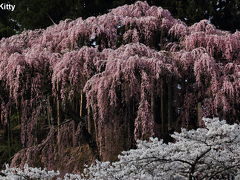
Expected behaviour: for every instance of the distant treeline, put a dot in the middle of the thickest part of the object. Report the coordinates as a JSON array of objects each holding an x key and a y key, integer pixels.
[{"x": 33, "y": 14}]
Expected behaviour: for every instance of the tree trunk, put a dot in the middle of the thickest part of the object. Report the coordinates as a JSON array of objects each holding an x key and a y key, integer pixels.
[
  {"x": 163, "y": 111},
  {"x": 58, "y": 116},
  {"x": 81, "y": 104},
  {"x": 49, "y": 112},
  {"x": 90, "y": 123},
  {"x": 8, "y": 132},
  {"x": 169, "y": 103},
  {"x": 199, "y": 114}
]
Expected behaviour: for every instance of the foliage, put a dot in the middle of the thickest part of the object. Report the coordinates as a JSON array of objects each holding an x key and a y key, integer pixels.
[
  {"x": 33, "y": 14},
  {"x": 207, "y": 153},
  {"x": 26, "y": 173},
  {"x": 7, "y": 25},
  {"x": 211, "y": 152}
]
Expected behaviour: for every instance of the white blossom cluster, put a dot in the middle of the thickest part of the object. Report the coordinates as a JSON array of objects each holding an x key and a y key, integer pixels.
[
  {"x": 27, "y": 173},
  {"x": 207, "y": 153},
  {"x": 72, "y": 177}
]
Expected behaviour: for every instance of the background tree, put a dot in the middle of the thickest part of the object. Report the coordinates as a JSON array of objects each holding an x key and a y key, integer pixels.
[
  {"x": 7, "y": 25},
  {"x": 33, "y": 14}
]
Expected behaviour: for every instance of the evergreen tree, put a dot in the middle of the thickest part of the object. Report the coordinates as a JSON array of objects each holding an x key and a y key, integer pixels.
[
  {"x": 33, "y": 14},
  {"x": 6, "y": 25}
]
